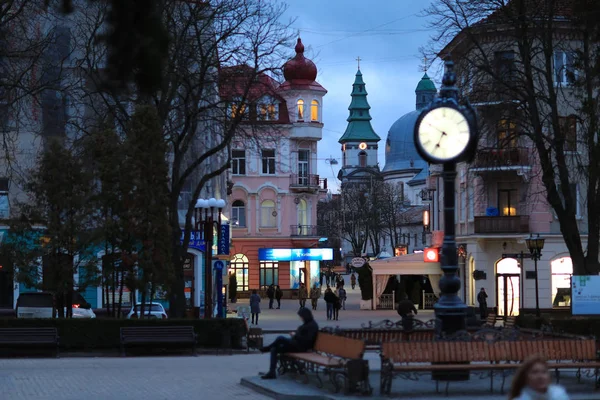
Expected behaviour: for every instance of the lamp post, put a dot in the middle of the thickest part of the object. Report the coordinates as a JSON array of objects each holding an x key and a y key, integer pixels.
[
  {"x": 205, "y": 221},
  {"x": 535, "y": 245}
]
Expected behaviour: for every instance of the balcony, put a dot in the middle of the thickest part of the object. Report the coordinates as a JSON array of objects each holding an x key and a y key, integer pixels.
[
  {"x": 304, "y": 230},
  {"x": 494, "y": 159},
  {"x": 507, "y": 224},
  {"x": 307, "y": 183}
]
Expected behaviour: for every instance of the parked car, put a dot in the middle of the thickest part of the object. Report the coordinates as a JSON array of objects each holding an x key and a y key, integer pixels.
[
  {"x": 36, "y": 305},
  {"x": 151, "y": 310},
  {"x": 81, "y": 308}
]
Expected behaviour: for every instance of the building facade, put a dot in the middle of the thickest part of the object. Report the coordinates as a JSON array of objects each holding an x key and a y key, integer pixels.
[{"x": 276, "y": 188}]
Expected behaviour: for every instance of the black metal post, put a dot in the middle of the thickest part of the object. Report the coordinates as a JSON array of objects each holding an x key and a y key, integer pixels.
[
  {"x": 450, "y": 310},
  {"x": 208, "y": 240},
  {"x": 537, "y": 296}
]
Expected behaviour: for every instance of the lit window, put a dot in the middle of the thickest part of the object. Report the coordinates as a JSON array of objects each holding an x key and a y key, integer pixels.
[
  {"x": 269, "y": 274},
  {"x": 268, "y": 110},
  {"x": 562, "y": 270},
  {"x": 238, "y": 214},
  {"x": 268, "y": 215},
  {"x": 314, "y": 111},
  {"x": 239, "y": 269},
  {"x": 506, "y": 134},
  {"x": 300, "y": 105},
  {"x": 238, "y": 109}
]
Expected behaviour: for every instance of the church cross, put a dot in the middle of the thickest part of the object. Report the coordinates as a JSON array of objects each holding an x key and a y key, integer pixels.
[
  {"x": 424, "y": 64},
  {"x": 358, "y": 60}
]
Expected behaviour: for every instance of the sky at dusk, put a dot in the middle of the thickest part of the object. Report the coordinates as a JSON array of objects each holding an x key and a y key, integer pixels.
[{"x": 387, "y": 36}]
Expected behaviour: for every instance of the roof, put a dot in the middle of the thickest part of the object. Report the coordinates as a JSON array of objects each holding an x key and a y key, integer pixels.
[
  {"x": 410, "y": 264},
  {"x": 412, "y": 215},
  {"x": 359, "y": 121},
  {"x": 426, "y": 85},
  {"x": 300, "y": 73},
  {"x": 400, "y": 151}
]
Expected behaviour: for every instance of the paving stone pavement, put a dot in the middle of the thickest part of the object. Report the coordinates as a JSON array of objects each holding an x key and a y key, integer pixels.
[{"x": 147, "y": 378}]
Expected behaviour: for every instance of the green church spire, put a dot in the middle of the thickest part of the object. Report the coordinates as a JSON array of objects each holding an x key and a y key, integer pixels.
[{"x": 359, "y": 121}]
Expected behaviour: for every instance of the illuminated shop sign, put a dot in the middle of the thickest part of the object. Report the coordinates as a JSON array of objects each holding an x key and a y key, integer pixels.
[{"x": 295, "y": 254}]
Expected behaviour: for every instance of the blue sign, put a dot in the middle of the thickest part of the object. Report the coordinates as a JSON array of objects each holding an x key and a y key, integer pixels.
[
  {"x": 295, "y": 254},
  {"x": 219, "y": 265},
  {"x": 223, "y": 246},
  {"x": 196, "y": 241}
]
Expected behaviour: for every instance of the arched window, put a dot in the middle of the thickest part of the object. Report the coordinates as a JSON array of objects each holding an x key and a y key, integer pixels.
[
  {"x": 362, "y": 159},
  {"x": 314, "y": 111},
  {"x": 302, "y": 217},
  {"x": 239, "y": 269},
  {"x": 300, "y": 106},
  {"x": 268, "y": 214},
  {"x": 238, "y": 214}
]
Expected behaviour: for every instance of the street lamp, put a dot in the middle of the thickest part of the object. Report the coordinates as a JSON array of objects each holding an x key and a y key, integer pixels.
[
  {"x": 204, "y": 218},
  {"x": 535, "y": 246}
]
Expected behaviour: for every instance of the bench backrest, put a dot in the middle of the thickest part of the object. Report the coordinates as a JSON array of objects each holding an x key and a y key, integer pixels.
[
  {"x": 491, "y": 319},
  {"x": 552, "y": 350},
  {"x": 510, "y": 322},
  {"x": 28, "y": 332},
  {"x": 374, "y": 336},
  {"x": 157, "y": 331},
  {"x": 339, "y": 346}
]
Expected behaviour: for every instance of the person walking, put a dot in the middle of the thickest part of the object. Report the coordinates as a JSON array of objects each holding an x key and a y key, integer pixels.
[
  {"x": 315, "y": 295},
  {"x": 353, "y": 280},
  {"x": 342, "y": 296},
  {"x": 337, "y": 304},
  {"x": 329, "y": 298},
  {"x": 302, "y": 295},
  {"x": 406, "y": 308},
  {"x": 255, "y": 306},
  {"x": 271, "y": 295},
  {"x": 303, "y": 340},
  {"x": 328, "y": 277},
  {"x": 278, "y": 296},
  {"x": 532, "y": 382},
  {"x": 482, "y": 300}
]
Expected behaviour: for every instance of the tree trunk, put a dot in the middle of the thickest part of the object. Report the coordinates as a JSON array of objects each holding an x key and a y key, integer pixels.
[{"x": 177, "y": 292}]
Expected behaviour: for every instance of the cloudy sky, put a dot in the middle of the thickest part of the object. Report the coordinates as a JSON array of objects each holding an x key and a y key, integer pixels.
[{"x": 386, "y": 34}]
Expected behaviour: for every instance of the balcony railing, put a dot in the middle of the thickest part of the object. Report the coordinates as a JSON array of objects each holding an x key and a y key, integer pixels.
[
  {"x": 494, "y": 158},
  {"x": 307, "y": 182},
  {"x": 304, "y": 230},
  {"x": 506, "y": 224}
]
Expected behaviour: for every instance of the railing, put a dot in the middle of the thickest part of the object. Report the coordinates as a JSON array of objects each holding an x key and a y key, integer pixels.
[
  {"x": 504, "y": 224},
  {"x": 429, "y": 299},
  {"x": 307, "y": 182},
  {"x": 494, "y": 158},
  {"x": 304, "y": 230},
  {"x": 386, "y": 302}
]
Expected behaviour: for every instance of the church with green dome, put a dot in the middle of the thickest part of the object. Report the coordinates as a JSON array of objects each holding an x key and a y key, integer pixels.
[{"x": 402, "y": 162}]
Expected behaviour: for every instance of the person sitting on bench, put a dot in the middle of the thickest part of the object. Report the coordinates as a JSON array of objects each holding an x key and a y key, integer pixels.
[{"x": 302, "y": 341}]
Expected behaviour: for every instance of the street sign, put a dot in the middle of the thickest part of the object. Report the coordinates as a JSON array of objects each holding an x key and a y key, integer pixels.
[
  {"x": 357, "y": 262},
  {"x": 218, "y": 265},
  {"x": 223, "y": 242}
]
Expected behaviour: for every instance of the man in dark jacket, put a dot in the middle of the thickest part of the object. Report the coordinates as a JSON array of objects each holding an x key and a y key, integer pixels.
[
  {"x": 302, "y": 341},
  {"x": 406, "y": 308},
  {"x": 271, "y": 295}
]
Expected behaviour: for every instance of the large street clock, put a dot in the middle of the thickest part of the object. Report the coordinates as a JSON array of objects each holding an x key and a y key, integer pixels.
[{"x": 445, "y": 133}]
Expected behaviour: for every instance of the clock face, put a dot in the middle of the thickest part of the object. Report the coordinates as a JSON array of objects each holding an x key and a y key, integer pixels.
[
  {"x": 443, "y": 133},
  {"x": 362, "y": 146}
]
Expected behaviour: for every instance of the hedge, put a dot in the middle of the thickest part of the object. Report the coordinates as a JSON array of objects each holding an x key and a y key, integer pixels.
[
  {"x": 588, "y": 326},
  {"x": 104, "y": 334}
]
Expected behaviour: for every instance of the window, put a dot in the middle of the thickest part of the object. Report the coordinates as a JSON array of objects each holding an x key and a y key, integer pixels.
[
  {"x": 562, "y": 270},
  {"x": 4, "y": 205},
  {"x": 314, "y": 111},
  {"x": 574, "y": 195},
  {"x": 463, "y": 204},
  {"x": 268, "y": 215},
  {"x": 506, "y": 134},
  {"x": 303, "y": 157},
  {"x": 568, "y": 127},
  {"x": 302, "y": 214},
  {"x": 300, "y": 105},
  {"x": 362, "y": 159},
  {"x": 238, "y": 162},
  {"x": 471, "y": 201},
  {"x": 564, "y": 69},
  {"x": 238, "y": 214},
  {"x": 269, "y": 274},
  {"x": 238, "y": 109},
  {"x": 505, "y": 65},
  {"x": 268, "y": 162},
  {"x": 507, "y": 202},
  {"x": 268, "y": 110},
  {"x": 239, "y": 269}
]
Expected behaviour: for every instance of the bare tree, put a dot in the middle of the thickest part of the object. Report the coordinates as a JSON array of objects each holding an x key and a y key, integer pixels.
[{"x": 532, "y": 66}]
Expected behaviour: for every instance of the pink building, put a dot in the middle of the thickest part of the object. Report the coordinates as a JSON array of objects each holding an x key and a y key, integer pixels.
[{"x": 276, "y": 188}]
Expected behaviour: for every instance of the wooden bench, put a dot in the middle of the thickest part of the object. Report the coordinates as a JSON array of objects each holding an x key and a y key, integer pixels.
[
  {"x": 30, "y": 337},
  {"x": 336, "y": 356},
  {"x": 490, "y": 320},
  {"x": 152, "y": 335},
  {"x": 411, "y": 358},
  {"x": 509, "y": 323}
]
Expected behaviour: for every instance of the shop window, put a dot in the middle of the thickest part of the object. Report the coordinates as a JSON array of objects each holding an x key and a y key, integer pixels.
[
  {"x": 314, "y": 111},
  {"x": 238, "y": 214},
  {"x": 562, "y": 270},
  {"x": 269, "y": 274},
  {"x": 239, "y": 268},
  {"x": 268, "y": 215}
]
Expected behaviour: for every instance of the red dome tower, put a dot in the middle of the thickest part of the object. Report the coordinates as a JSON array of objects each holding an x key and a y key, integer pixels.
[{"x": 300, "y": 72}]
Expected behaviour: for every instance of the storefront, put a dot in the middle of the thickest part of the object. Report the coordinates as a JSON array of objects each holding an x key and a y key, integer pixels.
[{"x": 304, "y": 264}]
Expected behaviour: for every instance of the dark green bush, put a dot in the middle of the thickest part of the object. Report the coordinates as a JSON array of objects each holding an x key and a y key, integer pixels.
[
  {"x": 588, "y": 326},
  {"x": 96, "y": 334}
]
